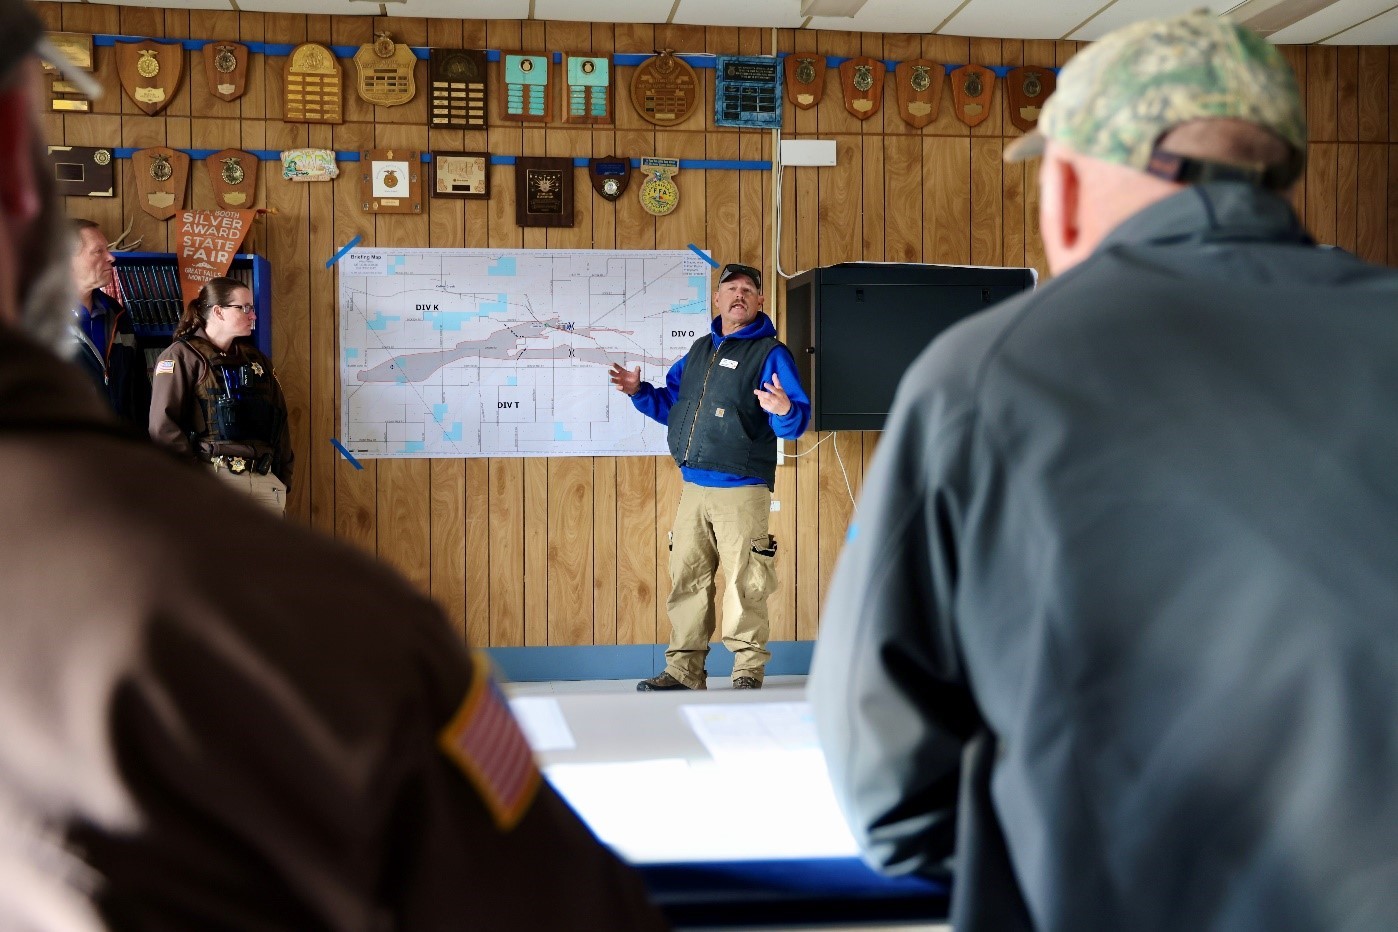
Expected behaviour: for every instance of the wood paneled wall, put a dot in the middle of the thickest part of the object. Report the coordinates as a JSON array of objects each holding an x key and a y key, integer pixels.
[{"x": 572, "y": 550}]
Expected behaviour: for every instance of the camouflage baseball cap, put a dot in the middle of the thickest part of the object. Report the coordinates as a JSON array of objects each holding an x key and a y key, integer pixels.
[{"x": 1118, "y": 96}]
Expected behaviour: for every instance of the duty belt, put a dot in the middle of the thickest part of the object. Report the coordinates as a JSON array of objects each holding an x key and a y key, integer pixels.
[{"x": 241, "y": 464}]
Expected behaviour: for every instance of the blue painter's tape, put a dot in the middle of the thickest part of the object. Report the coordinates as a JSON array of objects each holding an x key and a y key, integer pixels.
[
  {"x": 703, "y": 255},
  {"x": 346, "y": 453},
  {"x": 328, "y": 263}
]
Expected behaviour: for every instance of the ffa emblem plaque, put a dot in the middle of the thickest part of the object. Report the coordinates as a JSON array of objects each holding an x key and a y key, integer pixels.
[
  {"x": 77, "y": 48},
  {"x": 161, "y": 175},
  {"x": 461, "y": 174},
  {"x": 226, "y": 69},
  {"x": 971, "y": 89},
  {"x": 524, "y": 94},
  {"x": 660, "y": 195},
  {"x": 309, "y": 165},
  {"x": 748, "y": 92},
  {"x": 233, "y": 174},
  {"x": 385, "y": 72},
  {"x": 862, "y": 82},
  {"x": 457, "y": 78},
  {"x": 665, "y": 90},
  {"x": 587, "y": 91},
  {"x": 805, "y": 80},
  {"x": 312, "y": 88},
  {"x": 1028, "y": 87},
  {"x": 609, "y": 176},
  {"x": 390, "y": 181},
  {"x": 919, "y": 84},
  {"x": 82, "y": 171},
  {"x": 150, "y": 72},
  {"x": 544, "y": 192}
]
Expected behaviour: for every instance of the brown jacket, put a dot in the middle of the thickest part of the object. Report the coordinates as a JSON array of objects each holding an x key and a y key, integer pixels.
[{"x": 238, "y": 731}]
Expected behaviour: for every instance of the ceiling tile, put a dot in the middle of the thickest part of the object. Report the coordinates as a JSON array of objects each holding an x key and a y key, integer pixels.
[
  {"x": 1334, "y": 19},
  {"x": 890, "y": 16},
  {"x": 445, "y": 9},
  {"x": 1125, "y": 12},
  {"x": 1381, "y": 30},
  {"x": 785, "y": 14},
  {"x": 1014, "y": 19},
  {"x": 603, "y": 11}
]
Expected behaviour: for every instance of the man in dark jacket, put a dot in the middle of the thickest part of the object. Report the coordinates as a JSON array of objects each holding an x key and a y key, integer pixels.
[
  {"x": 1115, "y": 629},
  {"x": 228, "y": 722},
  {"x": 726, "y": 402},
  {"x": 104, "y": 340}
]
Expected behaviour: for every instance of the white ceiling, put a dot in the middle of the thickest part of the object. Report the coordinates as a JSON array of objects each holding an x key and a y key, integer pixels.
[{"x": 1331, "y": 22}]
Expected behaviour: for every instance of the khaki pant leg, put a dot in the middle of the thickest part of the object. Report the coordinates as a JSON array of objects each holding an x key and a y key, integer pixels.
[
  {"x": 693, "y": 560},
  {"x": 267, "y": 490},
  {"x": 739, "y": 518}
]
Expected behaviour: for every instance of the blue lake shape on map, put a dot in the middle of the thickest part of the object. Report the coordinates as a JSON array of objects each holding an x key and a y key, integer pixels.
[
  {"x": 506, "y": 266},
  {"x": 439, "y": 412},
  {"x": 454, "y": 434},
  {"x": 561, "y": 432},
  {"x": 511, "y": 380},
  {"x": 452, "y": 320},
  {"x": 381, "y": 321}
]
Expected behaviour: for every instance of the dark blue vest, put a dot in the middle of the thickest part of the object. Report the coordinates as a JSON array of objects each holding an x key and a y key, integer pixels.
[{"x": 716, "y": 422}]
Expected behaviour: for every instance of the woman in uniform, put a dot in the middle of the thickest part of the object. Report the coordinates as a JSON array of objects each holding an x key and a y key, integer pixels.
[{"x": 215, "y": 398}]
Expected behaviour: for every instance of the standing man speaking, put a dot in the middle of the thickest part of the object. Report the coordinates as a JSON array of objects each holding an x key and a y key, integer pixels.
[{"x": 725, "y": 403}]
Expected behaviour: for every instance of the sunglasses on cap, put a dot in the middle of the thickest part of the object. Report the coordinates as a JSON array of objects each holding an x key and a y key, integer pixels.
[{"x": 734, "y": 268}]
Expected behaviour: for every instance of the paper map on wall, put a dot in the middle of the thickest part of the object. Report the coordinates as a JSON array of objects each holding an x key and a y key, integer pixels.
[{"x": 504, "y": 352}]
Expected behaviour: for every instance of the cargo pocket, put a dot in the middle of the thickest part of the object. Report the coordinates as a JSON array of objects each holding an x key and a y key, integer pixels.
[{"x": 759, "y": 573}]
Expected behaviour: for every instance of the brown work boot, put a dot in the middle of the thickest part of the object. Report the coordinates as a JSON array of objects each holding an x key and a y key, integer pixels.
[
  {"x": 746, "y": 682},
  {"x": 664, "y": 681}
]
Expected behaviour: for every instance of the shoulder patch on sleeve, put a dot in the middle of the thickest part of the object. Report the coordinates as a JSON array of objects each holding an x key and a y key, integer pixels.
[
  {"x": 165, "y": 367},
  {"x": 484, "y": 740}
]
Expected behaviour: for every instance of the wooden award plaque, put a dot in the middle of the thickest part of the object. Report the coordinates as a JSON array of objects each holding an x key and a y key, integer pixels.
[
  {"x": 1028, "y": 86},
  {"x": 525, "y": 92},
  {"x": 544, "y": 192},
  {"x": 972, "y": 87},
  {"x": 587, "y": 88},
  {"x": 226, "y": 69},
  {"x": 161, "y": 177},
  {"x": 861, "y": 79},
  {"x": 665, "y": 89},
  {"x": 805, "y": 80},
  {"x": 461, "y": 174},
  {"x": 457, "y": 78},
  {"x": 748, "y": 92},
  {"x": 83, "y": 171},
  {"x": 312, "y": 92},
  {"x": 609, "y": 176},
  {"x": 77, "y": 48},
  {"x": 385, "y": 72},
  {"x": 150, "y": 72},
  {"x": 919, "y": 84},
  {"x": 390, "y": 181},
  {"x": 233, "y": 174}
]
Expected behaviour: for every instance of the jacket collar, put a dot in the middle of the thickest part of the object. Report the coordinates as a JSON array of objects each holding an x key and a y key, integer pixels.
[
  {"x": 761, "y": 326},
  {"x": 1216, "y": 212}
]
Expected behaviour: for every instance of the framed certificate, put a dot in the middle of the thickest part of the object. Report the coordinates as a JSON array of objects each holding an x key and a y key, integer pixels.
[{"x": 461, "y": 174}]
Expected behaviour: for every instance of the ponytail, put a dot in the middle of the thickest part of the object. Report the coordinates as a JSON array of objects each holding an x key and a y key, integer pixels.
[{"x": 196, "y": 313}]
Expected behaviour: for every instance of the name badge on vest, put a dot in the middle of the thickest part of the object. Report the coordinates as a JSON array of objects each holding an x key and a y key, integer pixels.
[
  {"x": 805, "y": 80},
  {"x": 660, "y": 195},
  {"x": 862, "y": 81},
  {"x": 610, "y": 176},
  {"x": 226, "y": 69},
  {"x": 233, "y": 174},
  {"x": 919, "y": 84},
  {"x": 312, "y": 86},
  {"x": 150, "y": 72},
  {"x": 161, "y": 176},
  {"x": 971, "y": 89},
  {"x": 385, "y": 72},
  {"x": 1028, "y": 86},
  {"x": 728, "y": 364}
]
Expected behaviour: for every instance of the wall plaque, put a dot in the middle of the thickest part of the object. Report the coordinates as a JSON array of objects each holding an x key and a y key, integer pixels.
[
  {"x": 805, "y": 80},
  {"x": 385, "y": 72},
  {"x": 544, "y": 192},
  {"x": 665, "y": 89},
  {"x": 660, "y": 195},
  {"x": 461, "y": 174},
  {"x": 77, "y": 48},
  {"x": 748, "y": 92},
  {"x": 312, "y": 92},
  {"x": 226, "y": 69},
  {"x": 609, "y": 176},
  {"x": 161, "y": 176},
  {"x": 390, "y": 181},
  {"x": 919, "y": 85},
  {"x": 83, "y": 171},
  {"x": 524, "y": 94},
  {"x": 233, "y": 174},
  {"x": 150, "y": 72},
  {"x": 587, "y": 89},
  {"x": 861, "y": 79},
  {"x": 971, "y": 89},
  {"x": 457, "y": 78},
  {"x": 309, "y": 165},
  {"x": 1028, "y": 87}
]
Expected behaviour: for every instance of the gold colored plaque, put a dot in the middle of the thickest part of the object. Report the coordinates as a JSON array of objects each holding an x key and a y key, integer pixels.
[
  {"x": 386, "y": 72},
  {"x": 457, "y": 78},
  {"x": 390, "y": 181},
  {"x": 75, "y": 46},
  {"x": 972, "y": 87},
  {"x": 665, "y": 90},
  {"x": 150, "y": 72},
  {"x": 1028, "y": 87},
  {"x": 919, "y": 84},
  {"x": 313, "y": 92},
  {"x": 233, "y": 174},
  {"x": 461, "y": 174},
  {"x": 226, "y": 69},
  {"x": 861, "y": 79},
  {"x": 161, "y": 176},
  {"x": 660, "y": 195},
  {"x": 544, "y": 192},
  {"x": 805, "y": 80}
]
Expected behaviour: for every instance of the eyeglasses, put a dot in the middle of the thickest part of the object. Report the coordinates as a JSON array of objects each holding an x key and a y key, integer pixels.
[{"x": 243, "y": 309}]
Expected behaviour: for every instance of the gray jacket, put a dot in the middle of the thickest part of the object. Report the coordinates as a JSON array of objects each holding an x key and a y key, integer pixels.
[{"x": 1117, "y": 622}]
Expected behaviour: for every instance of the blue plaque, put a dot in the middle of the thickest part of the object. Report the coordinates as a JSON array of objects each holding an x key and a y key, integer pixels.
[{"x": 748, "y": 92}]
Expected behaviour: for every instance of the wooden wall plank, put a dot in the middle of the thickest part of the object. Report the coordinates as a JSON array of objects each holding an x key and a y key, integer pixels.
[{"x": 1372, "y": 91}]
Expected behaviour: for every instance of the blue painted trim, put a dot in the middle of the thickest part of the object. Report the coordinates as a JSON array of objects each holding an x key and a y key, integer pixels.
[
  {"x": 272, "y": 155},
  {"x": 703, "y": 255},
  {"x": 629, "y": 661},
  {"x": 336, "y": 258}
]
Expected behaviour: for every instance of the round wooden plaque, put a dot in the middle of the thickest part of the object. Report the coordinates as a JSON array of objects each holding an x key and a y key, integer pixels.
[{"x": 665, "y": 89}]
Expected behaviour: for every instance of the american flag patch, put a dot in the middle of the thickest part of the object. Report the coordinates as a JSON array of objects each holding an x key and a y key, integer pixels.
[
  {"x": 165, "y": 367},
  {"x": 487, "y": 744}
]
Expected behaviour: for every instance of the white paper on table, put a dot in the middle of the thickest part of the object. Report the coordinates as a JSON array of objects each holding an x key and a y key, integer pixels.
[
  {"x": 543, "y": 723},
  {"x": 730, "y": 731}
]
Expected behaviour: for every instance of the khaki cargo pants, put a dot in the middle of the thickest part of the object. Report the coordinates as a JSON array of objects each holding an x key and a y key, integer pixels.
[
  {"x": 727, "y": 528},
  {"x": 267, "y": 490}
]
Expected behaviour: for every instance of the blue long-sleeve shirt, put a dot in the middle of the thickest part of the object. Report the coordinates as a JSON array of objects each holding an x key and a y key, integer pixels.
[{"x": 656, "y": 402}]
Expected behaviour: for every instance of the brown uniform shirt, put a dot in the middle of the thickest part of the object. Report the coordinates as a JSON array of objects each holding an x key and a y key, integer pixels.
[
  {"x": 178, "y": 420},
  {"x": 243, "y": 729}
]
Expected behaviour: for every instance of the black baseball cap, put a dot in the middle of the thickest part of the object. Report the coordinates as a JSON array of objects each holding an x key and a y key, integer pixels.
[
  {"x": 21, "y": 33},
  {"x": 734, "y": 268}
]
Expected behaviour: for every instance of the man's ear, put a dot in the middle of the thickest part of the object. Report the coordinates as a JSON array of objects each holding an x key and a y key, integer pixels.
[
  {"x": 19, "y": 188},
  {"x": 1067, "y": 207}
]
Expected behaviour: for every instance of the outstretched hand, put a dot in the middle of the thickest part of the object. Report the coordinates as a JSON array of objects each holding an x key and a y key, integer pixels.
[
  {"x": 627, "y": 381},
  {"x": 772, "y": 398}
]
